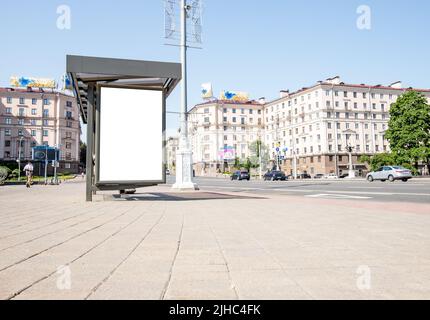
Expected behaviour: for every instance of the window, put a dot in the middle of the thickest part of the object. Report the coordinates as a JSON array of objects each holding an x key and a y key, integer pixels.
[
  {"x": 45, "y": 113},
  {"x": 33, "y": 112},
  {"x": 69, "y": 104},
  {"x": 8, "y": 121},
  {"x": 9, "y": 100},
  {"x": 68, "y": 145},
  {"x": 69, "y": 124},
  {"x": 45, "y": 123},
  {"x": 45, "y": 133},
  {"x": 8, "y": 110},
  {"x": 206, "y": 119},
  {"x": 33, "y": 133},
  {"x": 20, "y": 133},
  {"x": 345, "y": 94},
  {"x": 33, "y": 122},
  {"x": 21, "y": 101},
  {"x": 234, "y": 110},
  {"x": 21, "y": 112},
  {"x": 46, "y": 102},
  {"x": 21, "y": 122},
  {"x": 33, "y": 101},
  {"x": 7, "y": 143}
]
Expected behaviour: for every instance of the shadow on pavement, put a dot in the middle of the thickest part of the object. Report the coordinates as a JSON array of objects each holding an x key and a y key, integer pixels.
[{"x": 199, "y": 196}]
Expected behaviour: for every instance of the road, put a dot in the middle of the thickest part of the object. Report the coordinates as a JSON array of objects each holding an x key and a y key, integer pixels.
[{"x": 415, "y": 191}]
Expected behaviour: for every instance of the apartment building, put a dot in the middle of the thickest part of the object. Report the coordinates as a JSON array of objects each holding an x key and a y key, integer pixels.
[
  {"x": 221, "y": 125},
  {"x": 316, "y": 125},
  {"x": 33, "y": 117}
]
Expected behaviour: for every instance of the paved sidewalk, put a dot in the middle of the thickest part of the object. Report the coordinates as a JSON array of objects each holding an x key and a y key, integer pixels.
[{"x": 208, "y": 245}]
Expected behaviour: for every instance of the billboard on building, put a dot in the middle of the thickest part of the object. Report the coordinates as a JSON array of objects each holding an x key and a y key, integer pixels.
[
  {"x": 227, "y": 154},
  {"x": 237, "y": 96},
  {"x": 26, "y": 82},
  {"x": 207, "y": 91},
  {"x": 131, "y": 136}
]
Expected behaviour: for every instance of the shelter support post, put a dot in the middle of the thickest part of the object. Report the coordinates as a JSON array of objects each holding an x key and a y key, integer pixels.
[{"x": 90, "y": 145}]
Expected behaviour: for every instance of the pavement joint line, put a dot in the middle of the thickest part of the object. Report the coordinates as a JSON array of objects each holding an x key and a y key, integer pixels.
[
  {"x": 87, "y": 210},
  {"x": 169, "y": 279},
  {"x": 127, "y": 257},
  {"x": 56, "y": 231},
  {"x": 80, "y": 256},
  {"x": 65, "y": 241},
  {"x": 280, "y": 266},
  {"x": 221, "y": 249}
]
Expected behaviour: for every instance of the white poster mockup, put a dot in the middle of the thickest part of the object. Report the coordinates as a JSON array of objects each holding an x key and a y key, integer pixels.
[{"x": 131, "y": 135}]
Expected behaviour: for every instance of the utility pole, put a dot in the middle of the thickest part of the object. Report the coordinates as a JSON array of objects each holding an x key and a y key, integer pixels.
[
  {"x": 184, "y": 160},
  {"x": 19, "y": 159},
  {"x": 46, "y": 166}
]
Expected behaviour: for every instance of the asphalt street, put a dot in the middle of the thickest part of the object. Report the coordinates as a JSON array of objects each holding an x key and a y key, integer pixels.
[{"x": 414, "y": 191}]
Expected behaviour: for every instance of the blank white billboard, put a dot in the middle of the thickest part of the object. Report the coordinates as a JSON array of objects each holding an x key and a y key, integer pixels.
[{"x": 131, "y": 135}]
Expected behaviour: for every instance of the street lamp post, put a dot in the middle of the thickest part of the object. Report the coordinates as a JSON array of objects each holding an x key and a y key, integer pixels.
[
  {"x": 19, "y": 158},
  {"x": 351, "y": 173},
  {"x": 184, "y": 160}
]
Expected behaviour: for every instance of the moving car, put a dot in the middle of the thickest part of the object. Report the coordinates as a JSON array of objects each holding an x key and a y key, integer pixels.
[
  {"x": 304, "y": 176},
  {"x": 390, "y": 173},
  {"x": 319, "y": 176},
  {"x": 275, "y": 176},
  {"x": 240, "y": 175}
]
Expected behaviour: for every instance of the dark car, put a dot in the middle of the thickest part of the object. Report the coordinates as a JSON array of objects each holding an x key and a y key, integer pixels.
[
  {"x": 304, "y": 176},
  {"x": 319, "y": 176},
  {"x": 344, "y": 175},
  {"x": 241, "y": 175},
  {"x": 275, "y": 176}
]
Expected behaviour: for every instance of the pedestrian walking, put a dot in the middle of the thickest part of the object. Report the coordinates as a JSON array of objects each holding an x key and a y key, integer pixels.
[{"x": 29, "y": 174}]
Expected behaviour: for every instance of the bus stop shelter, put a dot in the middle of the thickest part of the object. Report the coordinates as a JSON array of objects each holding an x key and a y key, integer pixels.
[{"x": 123, "y": 104}]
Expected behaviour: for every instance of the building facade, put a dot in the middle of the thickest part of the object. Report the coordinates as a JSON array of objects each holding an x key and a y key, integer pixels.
[
  {"x": 217, "y": 126},
  {"x": 34, "y": 117},
  {"x": 313, "y": 128},
  {"x": 317, "y": 125}
]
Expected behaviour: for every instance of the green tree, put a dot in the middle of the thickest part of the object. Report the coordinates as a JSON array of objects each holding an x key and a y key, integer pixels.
[
  {"x": 255, "y": 148},
  {"x": 83, "y": 153},
  {"x": 409, "y": 129}
]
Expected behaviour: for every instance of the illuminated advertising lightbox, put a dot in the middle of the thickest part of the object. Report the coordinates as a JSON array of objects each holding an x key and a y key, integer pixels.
[{"x": 131, "y": 136}]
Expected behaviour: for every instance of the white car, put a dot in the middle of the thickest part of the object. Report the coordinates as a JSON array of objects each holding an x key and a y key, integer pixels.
[
  {"x": 331, "y": 176},
  {"x": 390, "y": 173}
]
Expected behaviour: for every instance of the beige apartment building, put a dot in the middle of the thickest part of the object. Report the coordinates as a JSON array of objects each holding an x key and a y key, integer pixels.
[
  {"x": 216, "y": 126},
  {"x": 33, "y": 117},
  {"x": 312, "y": 127},
  {"x": 319, "y": 123}
]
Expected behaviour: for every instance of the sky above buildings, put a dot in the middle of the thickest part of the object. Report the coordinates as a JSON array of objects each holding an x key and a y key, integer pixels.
[{"x": 259, "y": 47}]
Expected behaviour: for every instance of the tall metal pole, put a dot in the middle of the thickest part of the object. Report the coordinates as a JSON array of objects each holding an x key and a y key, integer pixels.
[
  {"x": 46, "y": 165},
  {"x": 19, "y": 159},
  {"x": 184, "y": 172}
]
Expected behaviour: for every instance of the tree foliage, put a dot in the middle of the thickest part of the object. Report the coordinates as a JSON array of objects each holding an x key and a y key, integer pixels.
[{"x": 409, "y": 129}]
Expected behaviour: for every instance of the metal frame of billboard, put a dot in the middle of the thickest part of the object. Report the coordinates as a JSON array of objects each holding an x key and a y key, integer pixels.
[{"x": 88, "y": 75}]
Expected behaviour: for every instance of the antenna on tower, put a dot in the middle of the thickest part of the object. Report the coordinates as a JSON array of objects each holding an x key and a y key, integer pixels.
[{"x": 172, "y": 25}]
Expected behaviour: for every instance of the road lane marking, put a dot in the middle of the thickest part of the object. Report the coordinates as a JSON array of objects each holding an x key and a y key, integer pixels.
[
  {"x": 318, "y": 190},
  {"x": 337, "y": 196}
]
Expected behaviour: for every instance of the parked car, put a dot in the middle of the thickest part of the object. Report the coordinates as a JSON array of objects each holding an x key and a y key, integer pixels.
[
  {"x": 344, "y": 175},
  {"x": 390, "y": 173},
  {"x": 331, "y": 176},
  {"x": 304, "y": 176},
  {"x": 241, "y": 175},
  {"x": 319, "y": 176},
  {"x": 275, "y": 175}
]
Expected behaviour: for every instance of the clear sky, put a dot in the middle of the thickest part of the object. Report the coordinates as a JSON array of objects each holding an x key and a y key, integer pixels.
[{"x": 256, "y": 46}]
